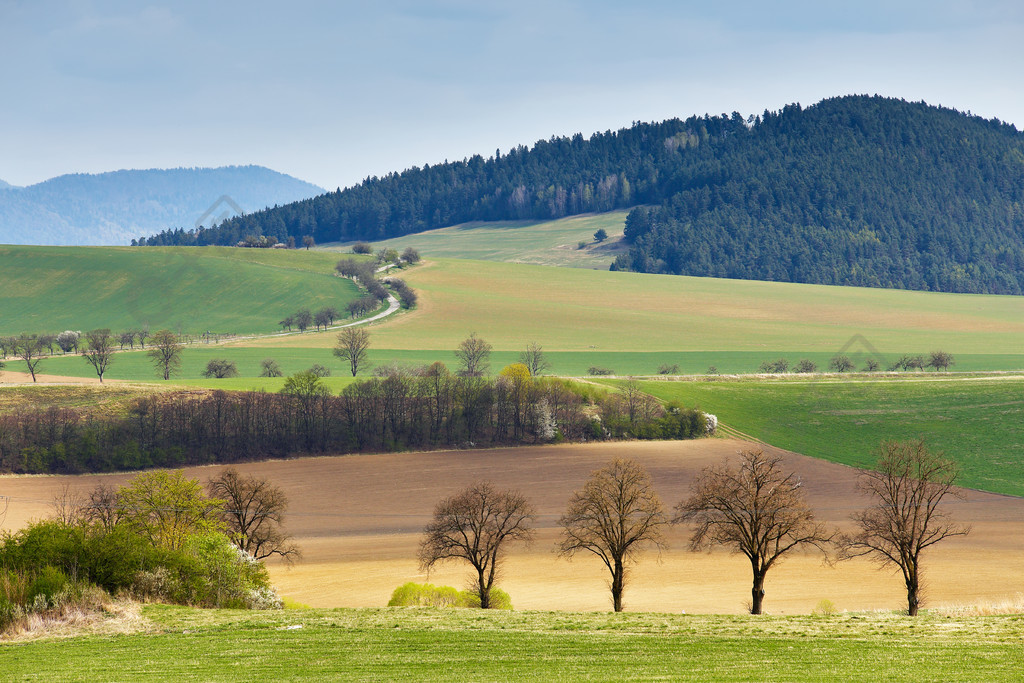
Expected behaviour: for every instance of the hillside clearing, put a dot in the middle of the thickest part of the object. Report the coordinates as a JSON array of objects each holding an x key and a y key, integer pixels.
[{"x": 543, "y": 243}]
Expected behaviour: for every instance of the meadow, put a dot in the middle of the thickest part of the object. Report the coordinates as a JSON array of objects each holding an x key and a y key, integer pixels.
[
  {"x": 192, "y": 290},
  {"x": 977, "y": 421},
  {"x": 579, "y": 310},
  {"x": 545, "y": 243},
  {"x": 410, "y": 644}
]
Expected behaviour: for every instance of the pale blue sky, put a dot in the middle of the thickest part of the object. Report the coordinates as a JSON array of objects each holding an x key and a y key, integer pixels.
[{"x": 334, "y": 91}]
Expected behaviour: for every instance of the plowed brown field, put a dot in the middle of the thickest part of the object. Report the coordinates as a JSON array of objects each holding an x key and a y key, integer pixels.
[{"x": 358, "y": 520}]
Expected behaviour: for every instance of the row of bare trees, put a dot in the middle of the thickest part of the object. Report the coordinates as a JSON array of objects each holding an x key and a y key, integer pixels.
[{"x": 754, "y": 508}]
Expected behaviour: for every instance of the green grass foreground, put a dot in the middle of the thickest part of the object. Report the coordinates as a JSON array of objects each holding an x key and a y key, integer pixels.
[
  {"x": 424, "y": 644},
  {"x": 977, "y": 421}
]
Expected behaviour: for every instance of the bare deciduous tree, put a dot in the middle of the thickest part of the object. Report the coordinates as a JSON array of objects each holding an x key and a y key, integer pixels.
[
  {"x": 254, "y": 513},
  {"x": 270, "y": 368},
  {"x": 907, "y": 485},
  {"x": 473, "y": 353},
  {"x": 533, "y": 358},
  {"x": 165, "y": 352},
  {"x": 476, "y": 525},
  {"x": 103, "y": 507},
  {"x": 352, "y": 346},
  {"x": 754, "y": 509},
  {"x": 219, "y": 368},
  {"x": 68, "y": 505},
  {"x": 99, "y": 350},
  {"x": 29, "y": 349},
  {"x": 615, "y": 516},
  {"x": 940, "y": 360}
]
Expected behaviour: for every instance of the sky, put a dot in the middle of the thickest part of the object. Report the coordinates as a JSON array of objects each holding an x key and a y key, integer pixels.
[{"x": 334, "y": 92}]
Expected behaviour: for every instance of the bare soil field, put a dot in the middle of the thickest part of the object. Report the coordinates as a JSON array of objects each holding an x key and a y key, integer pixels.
[
  {"x": 358, "y": 520},
  {"x": 9, "y": 377}
]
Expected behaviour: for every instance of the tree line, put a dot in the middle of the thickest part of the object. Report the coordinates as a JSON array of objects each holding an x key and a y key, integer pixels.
[
  {"x": 426, "y": 408},
  {"x": 753, "y": 507}
]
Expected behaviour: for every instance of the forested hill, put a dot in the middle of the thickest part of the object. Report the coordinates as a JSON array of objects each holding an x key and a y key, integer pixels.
[
  {"x": 851, "y": 191},
  {"x": 854, "y": 190},
  {"x": 113, "y": 208},
  {"x": 555, "y": 178}
]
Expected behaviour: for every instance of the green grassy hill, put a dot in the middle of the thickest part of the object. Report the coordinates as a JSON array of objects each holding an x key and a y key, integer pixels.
[
  {"x": 49, "y": 289},
  {"x": 542, "y": 243},
  {"x": 587, "y": 311},
  {"x": 976, "y": 421}
]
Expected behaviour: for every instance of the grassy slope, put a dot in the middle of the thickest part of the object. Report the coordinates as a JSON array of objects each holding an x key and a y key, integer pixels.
[
  {"x": 215, "y": 288},
  {"x": 979, "y": 422},
  {"x": 444, "y": 645},
  {"x": 546, "y": 243},
  {"x": 585, "y": 310}
]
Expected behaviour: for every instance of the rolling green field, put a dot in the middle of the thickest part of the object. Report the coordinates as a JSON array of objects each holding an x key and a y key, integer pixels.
[
  {"x": 545, "y": 243},
  {"x": 50, "y": 289},
  {"x": 422, "y": 644},
  {"x": 578, "y": 310},
  {"x": 979, "y": 421}
]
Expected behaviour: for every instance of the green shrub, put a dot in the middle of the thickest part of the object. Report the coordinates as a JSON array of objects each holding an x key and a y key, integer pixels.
[
  {"x": 825, "y": 608},
  {"x": 49, "y": 583},
  {"x": 596, "y": 370},
  {"x": 428, "y": 595},
  {"x": 208, "y": 571},
  {"x": 499, "y": 599},
  {"x": 424, "y": 595},
  {"x": 14, "y": 587}
]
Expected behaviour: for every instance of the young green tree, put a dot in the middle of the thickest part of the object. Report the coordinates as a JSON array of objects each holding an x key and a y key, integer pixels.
[{"x": 167, "y": 507}]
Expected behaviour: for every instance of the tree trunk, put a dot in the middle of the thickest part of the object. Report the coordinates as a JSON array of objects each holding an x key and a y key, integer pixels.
[
  {"x": 757, "y": 592},
  {"x": 617, "y": 585},
  {"x": 485, "y": 592},
  {"x": 912, "y": 597}
]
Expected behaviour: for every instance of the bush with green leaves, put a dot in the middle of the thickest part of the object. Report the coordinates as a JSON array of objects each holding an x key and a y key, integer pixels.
[{"x": 428, "y": 595}]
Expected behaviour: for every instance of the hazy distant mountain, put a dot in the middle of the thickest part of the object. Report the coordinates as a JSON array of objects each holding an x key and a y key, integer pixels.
[
  {"x": 114, "y": 208},
  {"x": 4, "y": 186}
]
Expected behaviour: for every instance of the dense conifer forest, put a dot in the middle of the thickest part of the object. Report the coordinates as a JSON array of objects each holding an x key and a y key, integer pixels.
[{"x": 854, "y": 190}]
